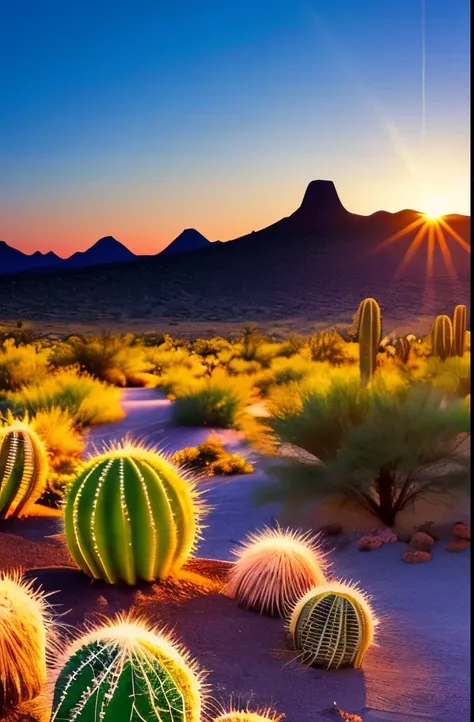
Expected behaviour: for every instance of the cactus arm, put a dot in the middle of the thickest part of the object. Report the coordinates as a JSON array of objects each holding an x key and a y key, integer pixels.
[{"x": 459, "y": 330}]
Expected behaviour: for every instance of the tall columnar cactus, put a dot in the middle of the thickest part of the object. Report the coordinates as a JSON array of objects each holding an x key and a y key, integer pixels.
[
  {"x": 126, "y": 671},
  {"x": 274, "y": 568},
  {"x": 459, "y": 330},
  {"x": 24, "y": 622},
  {"x": 129, "y": 516},
  {"x": 369, "y": 334},
  {"x": 23, "y": 469},
  {"x": 442, "y": 337},
  {"x": 332, "y": 626}
]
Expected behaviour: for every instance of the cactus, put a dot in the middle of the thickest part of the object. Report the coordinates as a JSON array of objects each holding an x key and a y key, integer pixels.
[
  {"x": 23, "y": 469},
  {"x": 273, "y": 569},
  {"x": 402, "y": 349},
  {"x": 25, "y": 620},
  {"x": 235, "y": 715},
  {"x": 332, "y": 626},
  {"x": 459, "y": 330},
  {"x": 442, "y": 337},
  {"x": 369, "y": 334},
  {"x": 129, "y": 515},
  {"x": 126, "y": 671}
]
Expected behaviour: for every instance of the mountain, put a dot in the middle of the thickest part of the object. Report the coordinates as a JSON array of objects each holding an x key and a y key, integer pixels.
[
  {"x": 105, "y": 250},
  {"x": 14, "y": 261},
  {"x": 314, "y": 265},
  {"x": 188, "y": 240}
]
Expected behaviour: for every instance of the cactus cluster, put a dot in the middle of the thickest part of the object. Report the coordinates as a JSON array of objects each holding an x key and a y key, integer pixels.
[
  {"x": 274, "y": 568},
  {"x": 369, "y": 334},
  {"x": 23, "y": 469},
  {"x": 130, "y": 516},
  {"x": 126, "y": 671}
]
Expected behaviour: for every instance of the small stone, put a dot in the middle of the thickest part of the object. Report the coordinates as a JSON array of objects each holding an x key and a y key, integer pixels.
[
  {"x": 421, "y": 542},
  {"x": 416, "y": 557},
  {"x": 428, "y": 528},
  {"x": 102, "y": 601},
  {"x": 458, "y": 545},
  {"x": 369, "y": 543},
  {"x": 462, "y": 531},
  {"x": 331, "y": 529}
]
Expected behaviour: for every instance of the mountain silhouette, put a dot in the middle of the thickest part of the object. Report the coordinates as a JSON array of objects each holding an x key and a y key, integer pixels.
[
  {"x": 188, "y": 240},
  {"x": 105, "y": 250},
  {"x": 14, "y": 261}
]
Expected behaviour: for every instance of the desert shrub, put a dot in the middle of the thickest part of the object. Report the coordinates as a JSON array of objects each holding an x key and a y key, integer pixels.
[
  {"x": 238, "y": 366},
  {"x": 382, "y": 449},
  {"x": 21, "y": 365},
  {"x": 328, "y": 346},
  {"x": 210, "y": 347},
  {"x": 217, "y": 400},
  {"x": 89, "y": 401},
  {"x": 452, "y": 376},
  {"x": 283, "y": 371},
  {"x": 211, "y": 458},
  {"x": 105, "y": 357}
]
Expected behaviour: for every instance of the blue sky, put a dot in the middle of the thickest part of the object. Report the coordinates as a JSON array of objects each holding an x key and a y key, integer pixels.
[{"x": 140, "y": 118}]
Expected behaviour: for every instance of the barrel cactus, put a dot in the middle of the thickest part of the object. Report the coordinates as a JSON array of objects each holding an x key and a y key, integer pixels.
[
  {"x": 25, "y": 621},
  {"x": 369, "y": 334},
  {"x": 274, "y": 568},
  {"x": 332, "y": 626},
  {"x": 126, "y": 670},
  {"x": 23, "y": 469},
  {"x": 403, "y": 348},
  {"x": 237, "y": 715},
  {"x": 442, "y": 337},
  {"x": 459, "y": 330},
  {"x": 131, "y": 516}
]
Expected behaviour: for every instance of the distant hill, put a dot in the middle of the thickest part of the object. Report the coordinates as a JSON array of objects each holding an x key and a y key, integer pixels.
[
  {"x": 106, "y": 250},
  {"x": 188, "y": 240},
  {"x": 14, "y": 261},
  {"x": 317, "y": 264}
]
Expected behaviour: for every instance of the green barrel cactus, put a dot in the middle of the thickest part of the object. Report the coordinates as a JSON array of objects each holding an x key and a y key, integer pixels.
[
  {"x": 332, "y": 626},
  {"x": 369, "y": 334},
  {"x": 23, "y": 469},
  {"x": 130, "y": 516},
  {"x": 126, "y": 671},
  {"x": 442, "y": 337},
  {"x": 459, "y": 330}
]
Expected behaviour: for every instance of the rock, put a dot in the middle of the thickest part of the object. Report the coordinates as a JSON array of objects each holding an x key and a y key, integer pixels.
[
  {"x": 385, "y": 534},
  {"x": 462, "y": 531},
  {"x": 421, "y": 542},
  {"x": 331, "y": 529},
  {"x": 458, "y": 545},
  {"x": 368, "y": 543},
  {"x": 416, "y": 557},
  {"x": 428, "y": 528}
]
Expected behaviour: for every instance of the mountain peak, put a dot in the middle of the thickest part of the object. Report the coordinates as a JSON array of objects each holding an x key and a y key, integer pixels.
[
  {"x": 188, "y": 240},
  {"x": 321, "y": 196}
]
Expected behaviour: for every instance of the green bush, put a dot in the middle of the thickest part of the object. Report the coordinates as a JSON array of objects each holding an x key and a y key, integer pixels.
[
  {"x": 211, "y": 458},
  {"x": 328, "y": 346},
  {"x": 217, "y": 400},
  {"x": 21, "y": 365}
]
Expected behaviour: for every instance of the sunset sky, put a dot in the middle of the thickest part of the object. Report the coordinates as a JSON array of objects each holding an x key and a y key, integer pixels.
[{"x": 138, "y": 119}]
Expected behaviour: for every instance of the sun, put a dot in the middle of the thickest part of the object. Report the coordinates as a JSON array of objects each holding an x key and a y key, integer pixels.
[{"x": 434, "y": 210}]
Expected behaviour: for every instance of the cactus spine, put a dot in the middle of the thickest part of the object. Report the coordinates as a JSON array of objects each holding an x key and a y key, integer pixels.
[
  {"x": 332, "y": 626},
  {"x": 369, "y": 334},
  {"x": 442, "y": 337},
  {"x": 24, "y": 619},
  {"x": 23, "y": 469},
  {"x": 126, "y": 671},
  {"x": 130, "y": 516},
  {"x": 459, "y": 330}
]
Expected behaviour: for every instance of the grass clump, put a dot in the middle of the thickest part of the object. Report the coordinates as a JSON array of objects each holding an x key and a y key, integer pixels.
[
  {"x": 21, "y": 365},
  {"x": 211, "y": 459},
  {"x": 217, "y": 400}
]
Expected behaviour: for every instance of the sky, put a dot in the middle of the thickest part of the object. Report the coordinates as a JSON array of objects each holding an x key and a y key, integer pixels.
[{"x": 139, "y": 119}]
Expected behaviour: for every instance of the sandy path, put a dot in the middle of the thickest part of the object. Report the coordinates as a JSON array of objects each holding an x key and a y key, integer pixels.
[{"x": 420, "y": 670}]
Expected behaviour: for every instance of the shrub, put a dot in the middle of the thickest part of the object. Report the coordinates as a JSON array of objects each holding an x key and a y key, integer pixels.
[
  {"x": 238, "y": 366},
  {"x": 274, "y": 569},
  {"x": 127, "y": 671},
  {"x": 25, "y": 621},
  {"x": 23, "y": 468},
  {"x": 21, "y": 365},
  {"x": 130, "y": 516},
  {"x": 88, "y": 401},
  {"x": 211, "y": 458},
  {"x": 328, "y": 346},
  {"x": 284, "y": 371},
  {"x": 217, "y": 401},
  {"x": 382, "y": 449},
  {"x": 333, "y": 626},
  {"x": 210, "y": 347}
]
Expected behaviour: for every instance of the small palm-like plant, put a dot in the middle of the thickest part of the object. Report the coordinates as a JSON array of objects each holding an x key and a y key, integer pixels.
[
  {"x": 127, "y": 671},
  {"x": 274, "y": 568},
  {"x": 25, "y": 620},
  {"x": 333, "y": 626},
  {"x": 23, "y": 468},
  {"x": 129, "y": 515}
]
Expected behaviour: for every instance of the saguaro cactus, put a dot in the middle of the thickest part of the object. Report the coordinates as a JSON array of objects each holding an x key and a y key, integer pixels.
[
  {"x": 130, "y": 515},
  {"x": 24, "y": 619},
  {"x": 126, "y": 671},
  {"x": 332, "y": 626},
  {"x": 369, "y": 334},
  {"x": 23, "y": 469},
  {"x": 442, "y": 337},
  {"x": 459, "y": 330}
]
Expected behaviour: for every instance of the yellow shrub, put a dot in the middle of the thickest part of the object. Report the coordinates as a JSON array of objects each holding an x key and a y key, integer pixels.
[{"x": 21, "y": 365}]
